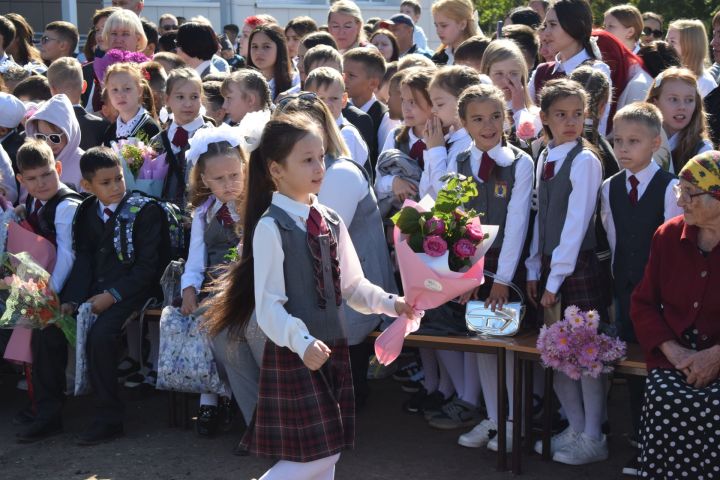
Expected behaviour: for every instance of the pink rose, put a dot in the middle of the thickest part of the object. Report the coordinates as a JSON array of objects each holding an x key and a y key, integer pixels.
[
  {"x": 459, "y": 214},
  {"x": 526, "y": 130},
  {"x": 464, "y": 248},
  {"x": 434, "y": 246},
  {"x": 435, "y": 226},
  {"x": 474, "y": 232}
]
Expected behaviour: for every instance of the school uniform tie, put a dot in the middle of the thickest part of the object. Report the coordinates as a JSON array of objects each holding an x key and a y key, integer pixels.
[
  {"x": 180, "y": 139},
  {"x": 548, "y": 170},
  {"x": 486, "y": 167},
  {"x": 34, "y": 218},
  {"x": 634, "y": 182},
  {"x": 108, "y": 213},
  {"x": 416, "y": 153},
  {"x": 223, "y": 216},
  {"x": 317, "y": 226}
]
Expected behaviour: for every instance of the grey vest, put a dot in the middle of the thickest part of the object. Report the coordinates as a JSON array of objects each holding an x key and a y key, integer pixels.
[
  {"x": 368, "y": 237},
  {"x": 635, "y": 225},
  {"x": 494, "y": 195},
  {"x": 326, "y": 324},
  {"x": 218, "y": 241},
  {"x": 553, "y": 196}
]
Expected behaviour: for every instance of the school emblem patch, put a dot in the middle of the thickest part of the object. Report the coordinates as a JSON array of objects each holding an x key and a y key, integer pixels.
[{"x": 501, "y": 190}]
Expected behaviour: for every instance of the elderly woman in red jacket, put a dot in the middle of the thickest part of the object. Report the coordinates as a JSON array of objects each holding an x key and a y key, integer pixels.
[{"x": 676, "y": 314}]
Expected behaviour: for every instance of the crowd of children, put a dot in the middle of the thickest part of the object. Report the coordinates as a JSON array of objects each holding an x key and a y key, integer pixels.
[{"x": 292, "y": 147}]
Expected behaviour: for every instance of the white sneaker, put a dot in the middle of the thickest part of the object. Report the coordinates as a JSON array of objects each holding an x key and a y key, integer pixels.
[
  {"x": 584, "y": 450},
  {"x": 494, "y": 443},
  {"x": 478, "y": 436},
  {"x": 559, "y": 441}
]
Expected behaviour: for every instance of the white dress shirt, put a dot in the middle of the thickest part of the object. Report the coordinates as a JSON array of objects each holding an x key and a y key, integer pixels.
[
  {"x": 101, "y": 210},
  {"x": 636, "y": 89},
  {"x": 518, "y": 210},
  {"x": 125, "y": 129},
  {"x": 64, "y": 215},
  {"x": 706, "y": 83},
  {"x": 196, "y": 264},
  {"x": 440, "y": 160},
  {"x": 419, "y": 38},
  {"x": 191, "y": 128},
  {"x": 204, "y": 66},
  {"x": 384, "y": 183},
  {"x": 671, "y": 144},
  {"x": 586, "y": 178},
  {"x": 644, "y": 177},
  {"x": 343, "y": 188},
  {"x": 280, "y": 327},
  {"x": 354, "y": 141},
  {"x": 568, "y": 67},
  {"x": 386, "y": 125}
]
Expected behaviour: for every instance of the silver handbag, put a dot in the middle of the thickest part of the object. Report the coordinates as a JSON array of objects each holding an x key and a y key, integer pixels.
[{"x": 504, "y": 322}]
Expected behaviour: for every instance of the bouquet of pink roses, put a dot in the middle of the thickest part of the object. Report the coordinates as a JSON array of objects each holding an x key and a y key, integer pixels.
[
  {"x": 574, "y": 347},
  {"x": 439, "y": 249}
]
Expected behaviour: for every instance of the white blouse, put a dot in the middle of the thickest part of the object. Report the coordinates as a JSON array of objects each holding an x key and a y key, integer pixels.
[
  {"x": 281, "y": 327},
  {"x": 438, "y": 161}
]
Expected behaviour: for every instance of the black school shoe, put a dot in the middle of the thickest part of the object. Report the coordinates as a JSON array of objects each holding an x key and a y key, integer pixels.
[
  {"x": 632, "y": 467},
  {"x": 206, "y": 423},
  {"x": 226, "y": 413},
  {"x": 24, "y": 417},
  {"x": 98, "y": 433},
  {"x": 40, "y": 430}
]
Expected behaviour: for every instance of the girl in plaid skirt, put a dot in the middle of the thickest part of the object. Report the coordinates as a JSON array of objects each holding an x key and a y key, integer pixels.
[
  {"x": 290, "y": 274},
  {"x": 562, "y": 256}
]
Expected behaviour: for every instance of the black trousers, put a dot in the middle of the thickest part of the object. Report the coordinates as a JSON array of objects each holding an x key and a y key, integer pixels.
[
  {"x": 50, "y": 356},
  {"x": 359, "y": 360}
]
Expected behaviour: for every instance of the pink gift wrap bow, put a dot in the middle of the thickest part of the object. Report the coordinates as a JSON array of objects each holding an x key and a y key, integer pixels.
[{"x": 424, "y": 289}]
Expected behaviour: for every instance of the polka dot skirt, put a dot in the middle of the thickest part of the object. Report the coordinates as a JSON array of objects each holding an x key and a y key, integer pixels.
[{"x": 680, "y": 433}]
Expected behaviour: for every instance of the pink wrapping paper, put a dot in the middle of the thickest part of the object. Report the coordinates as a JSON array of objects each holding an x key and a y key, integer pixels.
[
  {"x": 424, "y": 288},
  {"x": 18, "y": 347}
]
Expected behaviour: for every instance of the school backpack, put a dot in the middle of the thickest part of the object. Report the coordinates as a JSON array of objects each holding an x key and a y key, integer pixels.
[{"x": 46, "y": 218}]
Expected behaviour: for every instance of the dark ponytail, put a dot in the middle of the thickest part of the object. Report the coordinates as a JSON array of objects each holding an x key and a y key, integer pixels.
[
  {"x": 232, "y": 299},
  {"x": 576, "y": 18}
]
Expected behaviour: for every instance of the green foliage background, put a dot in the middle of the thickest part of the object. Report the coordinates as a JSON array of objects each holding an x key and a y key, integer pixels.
[{"x": 490, "y": 11}]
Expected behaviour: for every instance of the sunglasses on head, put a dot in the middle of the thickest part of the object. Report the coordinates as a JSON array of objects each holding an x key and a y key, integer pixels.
[
  {"x": 55, "y": 138},
  {"x": 307, "y": 96},
  {"x": 654, "y": 33}
]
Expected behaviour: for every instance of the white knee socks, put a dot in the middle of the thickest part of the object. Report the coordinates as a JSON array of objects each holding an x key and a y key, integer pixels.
[
  {"x": 583, "y": 401},
  {"x": 454, "y": 365},
  {"x": 487, "y": 371}
]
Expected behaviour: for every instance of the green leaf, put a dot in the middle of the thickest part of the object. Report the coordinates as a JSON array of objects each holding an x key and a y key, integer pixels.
[
  {"x": 415, "y": 241},
  {"x": 407, "y": 220}
]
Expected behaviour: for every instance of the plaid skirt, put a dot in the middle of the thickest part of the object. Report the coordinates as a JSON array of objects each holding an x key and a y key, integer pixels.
[
  {"x": 302, "y": 415},
  {"x": 582, "y": 288}
]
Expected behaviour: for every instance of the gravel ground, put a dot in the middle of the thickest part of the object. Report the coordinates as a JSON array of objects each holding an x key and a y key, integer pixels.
[{"x": 390, "y": 445}]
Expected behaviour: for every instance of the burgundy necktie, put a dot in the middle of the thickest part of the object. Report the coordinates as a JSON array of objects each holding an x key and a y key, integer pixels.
[
  {"x": 486, "y": 167},
  {"x": 634, "y": 182},
  {"x": 548, "y": 170},
  {"x": 33, "y": 218},
  {"x": 416, "y": 153},
  {"x": 316, "y": 226},
  {"x": 108, "y": 213},
  {"x": 180, "y": 139},
  {"x": 223, "y": 216}
]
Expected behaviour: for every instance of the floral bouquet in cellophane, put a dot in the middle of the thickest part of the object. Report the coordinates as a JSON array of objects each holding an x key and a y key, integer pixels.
[
  {"x": 144, "y": 169},
  {"x": 574, "y": 347},
  {"x": 32, "y": 303},
  {"x": 440, "y": 250}
]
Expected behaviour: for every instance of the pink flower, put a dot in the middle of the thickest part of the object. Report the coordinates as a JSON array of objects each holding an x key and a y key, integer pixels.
[
  {"x": 526, "y": 130},
  {"x": 434, "y": 246},
  {"x": 464, "y": 248},
  {"x": 474, "y": 232},
  {"x": 435, "y": 226}
]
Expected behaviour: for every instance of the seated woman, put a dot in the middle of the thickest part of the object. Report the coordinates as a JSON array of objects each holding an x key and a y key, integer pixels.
[{"x": 676, "y": 314}]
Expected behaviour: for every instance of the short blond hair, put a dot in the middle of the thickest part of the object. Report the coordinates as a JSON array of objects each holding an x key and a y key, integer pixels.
[
  {"x": 641, "y": 112},
  {"x": 323, "y": 77},
  {"x": 125, "y": 18},
  {"x": 65, "y": 73}
]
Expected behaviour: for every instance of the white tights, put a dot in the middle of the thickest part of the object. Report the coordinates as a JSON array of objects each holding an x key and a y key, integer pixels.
[
  {"x": 487, "y": 367},
  {"x": 583, "y": 402},
  {"x": 323, "y": 469}
]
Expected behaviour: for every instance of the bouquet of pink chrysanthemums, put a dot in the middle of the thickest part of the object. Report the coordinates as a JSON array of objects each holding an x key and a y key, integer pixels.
[{"x": 574, "y": 347}]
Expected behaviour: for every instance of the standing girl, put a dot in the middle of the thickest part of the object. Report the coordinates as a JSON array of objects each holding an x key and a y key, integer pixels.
[
  {"x": 124, "y": 83},
  {"x": 689, "y": 38},
  {"x": 183, "y": 98},
  {"x": 269, "y": 55},
  {"x": 245, "y": 91},
  {"x": 503, "y": 175},
  {"x": 567, "y": 30},
  {"x": 454, "y": 23},
  {"x": 562, "y": 257},
  {"x": 675, "y": 93},
  {"x": 305, "y": 414}
]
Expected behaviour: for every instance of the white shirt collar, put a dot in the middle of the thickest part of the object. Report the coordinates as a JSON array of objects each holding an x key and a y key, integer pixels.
[
  {"x": 673, "y": 141},
  {"x": 559, "y": 152},
  {"x": 646, "y": 174},
  {"x": 412, "y": 137},
  {"x": 124, "y": 129},
  {"x": 503, "y": 156},
  {"x": 102, "y": 207},
  {"x": 293, "y": 207},
  {"x": 340, "y": 120},
  {"x": 368, "y": 104},
  {"x": 637, "y": 48},
  {"x": 191, "y": 127},
  {"x": 203, "y": 66},
  {"x": 451, "y": 56},
  {"x": 456, "y": 135},
  {"x": 572, "y": 63}
]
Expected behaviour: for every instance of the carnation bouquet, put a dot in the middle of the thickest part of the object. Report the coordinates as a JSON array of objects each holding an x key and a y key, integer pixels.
[
  {"x": 574, "y": 347},
  {"x": 440, "y": 249},
  {"x": 31, "y": 302},
  {"x": 143, "y": 169}
]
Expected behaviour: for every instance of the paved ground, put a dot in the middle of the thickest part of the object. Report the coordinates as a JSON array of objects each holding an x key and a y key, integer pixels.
[{"x": 390, "y": 445}]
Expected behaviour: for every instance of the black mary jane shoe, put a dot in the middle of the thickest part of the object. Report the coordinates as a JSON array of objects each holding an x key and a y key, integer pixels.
[{"x": 206, "y": 423}]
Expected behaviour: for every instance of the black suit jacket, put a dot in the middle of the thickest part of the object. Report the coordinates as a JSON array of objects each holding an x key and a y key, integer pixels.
[
  {"x": 712, "y": 107},
  {"x": 89, "y": 77},
  {"x": 364, "y": 124},
  {"x": 92, "y": 128},
  {"x": 97, "y": 267}
]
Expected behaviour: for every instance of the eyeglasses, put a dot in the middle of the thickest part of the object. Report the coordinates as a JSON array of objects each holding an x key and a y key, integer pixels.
[
  {"x": 685, "y": 196},
  {"x": 169, "y": 28},
  {"x": 654, "y": 33},
  {"x": 54, "y": 138},
  {"x": 45, "y": 39},
  {"x": 307, "y": 96}
]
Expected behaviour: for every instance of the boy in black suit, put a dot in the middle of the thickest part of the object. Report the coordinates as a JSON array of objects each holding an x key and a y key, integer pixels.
[
  {"x": 116, "y": 288},
  {"x": 65, "y": 76}
]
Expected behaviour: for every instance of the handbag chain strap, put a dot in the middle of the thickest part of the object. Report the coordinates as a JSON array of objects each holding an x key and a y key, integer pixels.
[{"x": 515, "y": 288}]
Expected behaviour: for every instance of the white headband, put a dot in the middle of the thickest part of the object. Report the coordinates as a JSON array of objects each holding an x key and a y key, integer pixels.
[{"x": 205, "y": 136}]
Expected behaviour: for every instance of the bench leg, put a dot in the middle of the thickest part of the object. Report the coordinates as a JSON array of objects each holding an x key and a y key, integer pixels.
[
  {"x": 502, "y": 409},
  {"x": 547, "y": 414},
  {"x": 517, "y": 413},
  {"x": 528, "y": 422}
]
